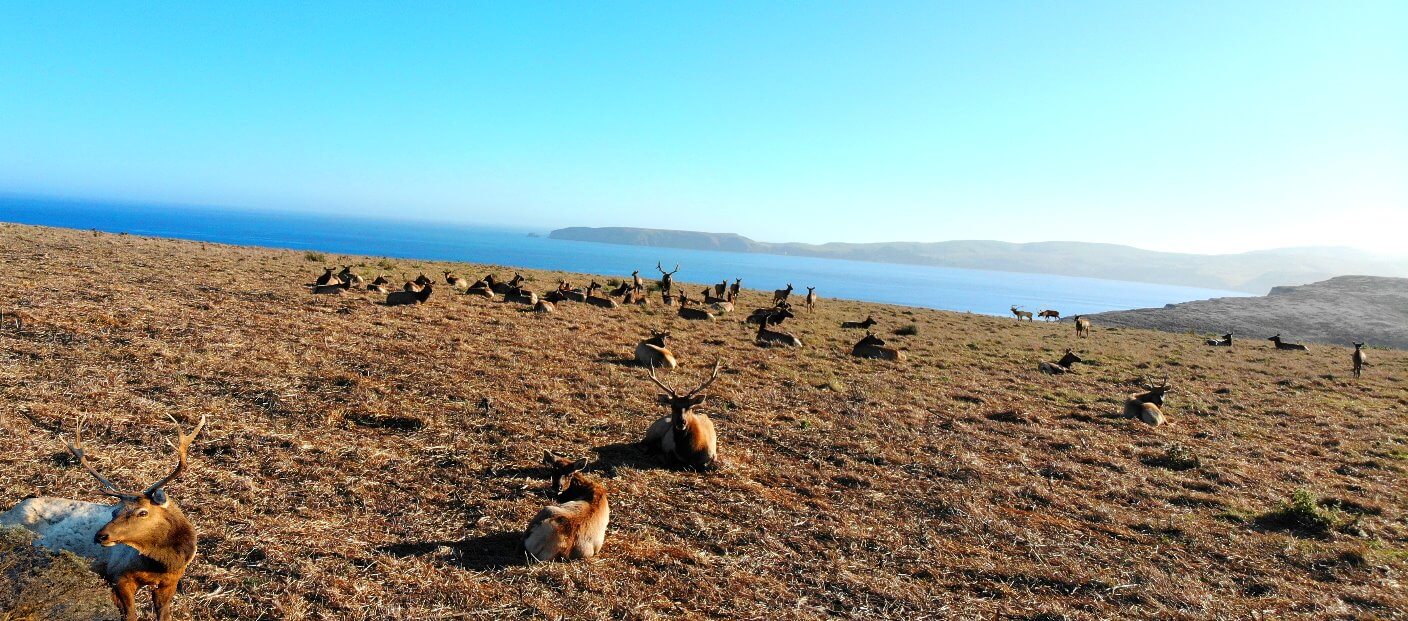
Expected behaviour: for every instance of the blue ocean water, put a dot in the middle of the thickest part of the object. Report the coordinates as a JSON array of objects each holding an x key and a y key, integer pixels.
[{"x": 979, "y": 291}]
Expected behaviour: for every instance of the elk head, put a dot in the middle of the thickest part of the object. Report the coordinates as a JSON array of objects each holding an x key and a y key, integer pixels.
[
  {"x": 562, "y": 469},
  {"x": 680, "y": 404}
]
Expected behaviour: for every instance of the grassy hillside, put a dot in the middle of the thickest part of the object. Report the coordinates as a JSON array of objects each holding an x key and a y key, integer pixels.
[{"x": 351, "y": 470}]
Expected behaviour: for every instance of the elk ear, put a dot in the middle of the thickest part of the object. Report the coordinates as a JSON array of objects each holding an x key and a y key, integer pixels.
[
  {"x": 664, "y": 399},
  {"x": 580, "y": 464},
  {"x": 693, "y": 401},
  {"x": 158, "y": 497},
  {"x": 548, "y": 458}
]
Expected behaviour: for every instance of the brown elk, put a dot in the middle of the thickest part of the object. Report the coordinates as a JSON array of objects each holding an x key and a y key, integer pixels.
[
  {"x": 521, "y": 296},
  {"x": 1360, "y": 359},
  {"x": 1049, "y": 314},
  {"x": 637, "y": 296},
  {"x": 666, "y": 298},
  {"x": 811, "y": 299},
  {"x": 734, "y": 288},
  {"x": 142, "y": 541},
  {"x": 398, "y": 298},
  {"x": 1021, "y": 314},
  {"x": 693, "y": 314},
  {"x": 337, "y": 288},
  {"x": 621, "y": 290},
  {"x": 771, "y": 316},
  {"x": 326, "y": 278},
  {"x": 419, "y": 283},
  {"x": 872, "y": 346},
  {"x": 1147, "y": 406},
  {"x": 1284, "y": 345},
  {"x": 685, "y": 436},
  {"x": 781, "y": 295},
  {"x": 381, "y": 280},
  {"x": 1061, "y": 366},
  {"x": 455, "y": 281},
  {"x": 480, "y": 288},
  {"x": 349, "y": 277},
  {"x": 651, "y": 352},
  {"x": 596, "y": 300},
  {"x": 543, "y": 306},
  {"x": 575, "y": 527},
  {"x": 381, "y": 289},
  {"x": 864, "y": 325},
  {"x": 667, "y": 279},
  {"x": 1082, "y": 326},
  {"x": 637, "y": 281},
  {"x": 769, "y": 338},
  {"x": 1225, "y": 341}
]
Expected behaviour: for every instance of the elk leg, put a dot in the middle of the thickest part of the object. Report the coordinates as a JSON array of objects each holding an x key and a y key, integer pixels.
[
  {"x": 124, "y": 595},
  {"x": 161, "y": 600}
]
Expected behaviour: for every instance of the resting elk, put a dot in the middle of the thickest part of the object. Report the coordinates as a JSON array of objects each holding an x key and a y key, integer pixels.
[
  {"x": 326, "y": 278},
  {"x": 1021, "y": 314},
  {"x": 142, "y": 541},
  {"x": 666, "y": 278},
  {"x": 693, "y": 314},
  {"x": 872, "y": 346},
  {"x": 596, "y": 300},
  {"x": 637, "y": 296},
  {"x": 349, "y": 277},
  {"x": 398, "y": 298},
  {"x": 768, "y": 337},
  {"x": 575, "y": 527},
  {"x": 337, "y": 288},
  {"x": 864, "y": 325},
  {"x": 1283, "y": 345},
  {"x": 652, "y": 353},
  {"x": 771, "y": 316},
  {"x": 1061, "y": 366},
  {"x": 1147, "y": 406},
  {"x": 1225, "y": 341},
  {"x": 686, "y": 437},
  {"x": 455, "y": 281}
]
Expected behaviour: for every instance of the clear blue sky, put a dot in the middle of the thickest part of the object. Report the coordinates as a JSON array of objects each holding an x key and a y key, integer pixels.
[{"x": 1168, "y": 125}]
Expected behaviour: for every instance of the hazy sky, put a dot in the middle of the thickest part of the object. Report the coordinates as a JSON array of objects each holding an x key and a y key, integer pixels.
[{"x": 1177, "y": 125}]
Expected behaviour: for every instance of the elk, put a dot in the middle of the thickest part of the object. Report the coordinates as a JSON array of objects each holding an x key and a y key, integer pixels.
[
  {"x": 666, "y": 298},
  {"x": 769, "y": 338},
  {"x": 521, "y": 296},
  {"x": 1061, "y": 366},
  {"x": 337, "y": 288},
  {"x": 142, "y": 541},
  {"x": 1021, "y": 314},
  {"x": 721, "y": 289},
  {"x": 480, "y": 288},
  {"x": 575, "y": 527},
  {"x": 637, "y": 281},
  {"x": 686, "y": 437},
  {"x": 872, "y": 346},
  {"x": 666, "y": 278},
  {"x": 811, "y": 299},
  {"x": 621, "y": 290},
  {"x": 398, "y": 298},
  {"x": 596, "y": 300},
  {"x": 1225, "y": 341},
  {"x": 863, "y": 325},
  {"x": 325, "y": 278},
  {"x": 735, "y": 287},
  {"x": 1359, "y": 358},
  {"x": 781, "y": 295},
  {"x": 374, "y": 288},
  {"x": 694, "y": 314},
  {"x": 1146, "y": 406},
  {"x": 771, "y": 316},
  {"x": 543, "y": 306},
  {"x": 1049, "y": 314},
  {"x": 455, "y": 281},
  {"x": 1082, "y": 326},
  {"x": 347, "y": 276},
  {"x": 636, "y": 296},
  {"x": 1284, "y": 345},
  {"x": 652, "y": 353},
  {"x": 419, "y": 283},
  {"x": 721, "y": 307},
  {"x": 709, "y": 297},
  {"x": 381, "y": 280}
]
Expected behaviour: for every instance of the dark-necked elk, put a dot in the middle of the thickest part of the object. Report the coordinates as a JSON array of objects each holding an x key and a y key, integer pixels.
[
  {"x": 769, "y": 338},
  {"x": 666, "y": 298},
  {"x": 1225, "y": 341},
  {"x": 637, "y": 296},
  {"x": 685, "y": 436},
  {"x": 1359, "y": 359},
  {"x": 771, "y": 316},
  {"x": 543, "y": 306},
  {"x": 1082, "y": 327},
  {"x": 721, "y": 289},
  {"x": 693, "y": 314},
  {"x": 651, "y": 352},
  {"x": 1284, "y": 345},
  {"x": 398, "y": 298},
  {"x": 419, "y": 283},
  {"x": 480, "y": 288},
  {"x": 637, "y": 281},
  {"x": 596, "y": 300},
  {"x": 1061, "y": 366},
  {"x": 781, "y": 295},
  {"x": 336, "y": 288},
  {"x": 455, "y": 281},
  {"x": 381, "y": 289},
  {"x": 326, "y": 278},
  {"x": 142, "y": 541},
  {"x": 734, "y": 288},
  {"x": 621, "y": 290},
  {"x": 381, "y": 279},
  {"x": 349, "y": 277},
  {"x": 1147, "y": 406},
  {"x": 667, "y": 279},
  {"x": 521, "y": 296},
  {"x": 575, "y": 527},
  {"x": 811, "y": 299},
  {"x": 1049, "y": 314},
  {"x": 1021, "y": 314},
  {"x": 872, "y": 346},
  {"x": 863, "y": 325}
]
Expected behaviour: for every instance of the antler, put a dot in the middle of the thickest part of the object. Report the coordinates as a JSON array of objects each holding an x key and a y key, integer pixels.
[
  {"x": 183, "y": 443},
  {"x": 667, "y": 389},
  {"x": 717, "y": 365},
  {"x": 76, "y": 448}
]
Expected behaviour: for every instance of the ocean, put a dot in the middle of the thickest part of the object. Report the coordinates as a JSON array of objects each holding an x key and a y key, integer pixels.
[{"x": 978, "y": 291}]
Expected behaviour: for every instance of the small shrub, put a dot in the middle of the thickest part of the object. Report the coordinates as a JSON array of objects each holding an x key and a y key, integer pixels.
[
  {"x": 1175, "y": 457},
  {"x": 909, "y": 330},
  {"x": 1302, "y": 513},
  {"x": 386, "y": 265},
  {"x": 315, "y": 257}
]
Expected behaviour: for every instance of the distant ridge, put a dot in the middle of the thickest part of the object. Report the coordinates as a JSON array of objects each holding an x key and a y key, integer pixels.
[{"x": 1252, "y": 272}]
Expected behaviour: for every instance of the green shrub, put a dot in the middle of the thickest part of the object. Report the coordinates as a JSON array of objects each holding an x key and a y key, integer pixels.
[
  {"x": 1302, "y": 513},
  {"x": 909, "y": 330},
  {"x": 315, "y": 257}
]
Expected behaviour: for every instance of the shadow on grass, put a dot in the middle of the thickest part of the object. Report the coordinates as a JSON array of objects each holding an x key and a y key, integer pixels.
[
  {"x": 483, "y": 553},
  {"x": 629, "y": 454}
]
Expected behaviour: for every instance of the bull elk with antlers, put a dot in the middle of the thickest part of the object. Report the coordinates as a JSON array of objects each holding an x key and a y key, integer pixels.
[
  {"x": 142, "y": 541},
  {"x": 685, "y": 436},
  {"x": 667, "y": 279}
]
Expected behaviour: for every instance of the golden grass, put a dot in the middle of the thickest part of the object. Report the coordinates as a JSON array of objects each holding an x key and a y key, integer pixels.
[{"x": 351, "y": 471}]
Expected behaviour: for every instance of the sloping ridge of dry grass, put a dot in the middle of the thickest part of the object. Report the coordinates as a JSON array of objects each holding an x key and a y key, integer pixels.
[{"x": 349, "y": 470}]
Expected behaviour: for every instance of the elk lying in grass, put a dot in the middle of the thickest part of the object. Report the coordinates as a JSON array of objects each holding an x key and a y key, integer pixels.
[
  {"x": 872, "y": 346},
  {"x": 652, "y": 353},
  {"x": 334, "y": 288},
  {"x": 667, "y": 279},
  {"x": 811, "y": 299},
  {"x": 503, "y": 288},
  {"x": 667, "y": 299},
  {"x": 710, "y": 298},
  {"x": 1082, "y": 327},
  {"x": 480, "y": 288},
  {"x": 381, "y": 280},
  {"x": 575, "y": 527},
  {"x": 771, "y": 316},
  {"x": 693, "y": 314},
  {"x": 1061, "y": 366},
  {"x": 326, "y": 278},
  {"x": 596, "y": 300},
  {"x": 399, "y": 298},
  {"x": 543, "y": 306},
  {"x": 455, "y": 281},
  {"x": 567, "y": 292},
  {"x": 1360, "y": 359},
  {"x": 1021, "y": 314},
  {"x": 621, "y": 290},
  {"x": 688, "y": 438},
  {"x": 769, "y": 338},
  {"x": 381, "y": 289},
  {"x": 1049, "y": 314},
  {"x": 142, "y": 541},
  {"x": 863, "y": 325},
  {"x": 349, "y": 277},
  {"x": 1284, "y": 345},
  {"x": 781, "y": 295},
  {"x": 637, "y": 296},
  {"x": 1225, "y": 341},
  {"x": 1147, "y": 406},
  {"x": 521, "y": 296},
  {"x": 419, "y": 283}
]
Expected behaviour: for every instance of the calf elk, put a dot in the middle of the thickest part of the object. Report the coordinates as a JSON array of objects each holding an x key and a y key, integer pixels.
[
  {"x": 575, "y": 527},
  {"x": 863, "y": 325},
  {"x": 1360, "y": 359},
  {"x": 652, "y": 353},
  {"x": 142, "y": 541},
  {"x": 1061, "y": 366},
  {"x": 1021, "y": 314},
  {"x": 688, "y": 438},
  {"x": 1284, "y": 345},
  {"x": 871, "y": 346},
  {"x": 1147, "y": 406}
]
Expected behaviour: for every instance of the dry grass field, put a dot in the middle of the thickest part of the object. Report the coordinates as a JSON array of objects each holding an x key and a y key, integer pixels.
[{"x": 353, "y": 469}]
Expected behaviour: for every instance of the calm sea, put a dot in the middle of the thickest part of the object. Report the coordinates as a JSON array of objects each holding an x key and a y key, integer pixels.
[{"x": 977, "y": 291}]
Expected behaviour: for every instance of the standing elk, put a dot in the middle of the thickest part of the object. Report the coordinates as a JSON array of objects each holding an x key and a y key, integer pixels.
[
  {"x": 734, "y": 288},
  {"x": 781, "y": 295},
  {"x": 1049, "y": 314},
  {"x": 399, "y": 298},
  {"x": 667, "y": 281},
  {"x": 1360, "y": 359},
  {"x": 1225, "y": 341},
  {"x": 575, "y": 527},
  {"x": 1147, "y": 406},
  {"x": 1082, "y": 326},
  {"x": 811, "y": 299},
  {"x": 769, "y": 338},
  {"x": 637, "y": 281},
  {"x": 142, "y": 541},
  {"x": 721, "y": 289},
  {"x": 1284, "y": 345},
  {"x": 1061, "y": 366},
  {"x": 863, "y": 325},
  {"x": 1021, "y": 314},
  {"x": 872, "y": 346},
  {"x": 685, "y": 436},
  {"x": 651, "y": 352}
]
